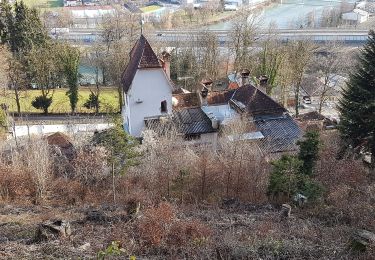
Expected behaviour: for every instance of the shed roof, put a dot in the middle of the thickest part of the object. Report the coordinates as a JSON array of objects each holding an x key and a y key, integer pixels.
[
  {"x": 193, "y": 121},
  {"x": 280, "y": 133}
]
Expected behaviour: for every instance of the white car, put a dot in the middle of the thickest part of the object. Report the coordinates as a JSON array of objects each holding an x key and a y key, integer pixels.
[{"x": 230, "y": 7}]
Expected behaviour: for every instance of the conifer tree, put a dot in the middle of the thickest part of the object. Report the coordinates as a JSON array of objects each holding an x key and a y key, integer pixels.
[
  {"x": 70, "y": 61},
  {"x": 309, "y": 151},
  {"x": 21, "y": 27},
  {"x": 357, "y": 106}
]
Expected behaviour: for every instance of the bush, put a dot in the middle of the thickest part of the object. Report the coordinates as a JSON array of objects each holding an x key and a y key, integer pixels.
[
  {"x": 285, "y": 177},
  {"x": 153, "y": 227},
  {"x": 42, "y": 102},
  {"x": 92, "y": 102}
]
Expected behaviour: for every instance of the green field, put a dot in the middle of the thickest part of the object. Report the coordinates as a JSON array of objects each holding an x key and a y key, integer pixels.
[
  {"x": 60, "y": 103},
  {"x": 44, "y": 3},
  {"x": 151, "y": 8}
]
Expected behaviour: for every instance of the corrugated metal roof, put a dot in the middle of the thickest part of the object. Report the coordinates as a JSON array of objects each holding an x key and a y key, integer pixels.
[
  {"x": 280, "y": 133},
  {"x": 246, "y": 136},
  {"x": 193, "y": 121}
]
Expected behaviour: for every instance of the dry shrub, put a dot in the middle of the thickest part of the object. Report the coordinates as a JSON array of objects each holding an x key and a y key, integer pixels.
[
  {"x": 14, "y": 183},
  {"x": 28, "y": 171},
  {"x": 36, "y": 157},
  {"x": 90, "y": 165},
  {"x": 155, "y": 223},
  {"x": 159, "y": 227},
  {"x": 349, "y": 195},
  {"x": 183, "y": 233},
  {"x": 69, "y": 191},
  {"x": 331, "y": 171}
]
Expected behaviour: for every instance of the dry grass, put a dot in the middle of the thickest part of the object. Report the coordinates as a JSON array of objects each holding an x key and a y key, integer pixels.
[{"x": 177, "y": 220}]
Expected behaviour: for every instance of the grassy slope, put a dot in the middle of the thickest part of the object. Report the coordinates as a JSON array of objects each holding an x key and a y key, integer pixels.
[{"x": 60, "y": 103}]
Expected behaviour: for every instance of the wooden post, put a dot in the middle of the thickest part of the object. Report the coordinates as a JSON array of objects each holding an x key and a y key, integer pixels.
[{"x": 113, "y": 183}]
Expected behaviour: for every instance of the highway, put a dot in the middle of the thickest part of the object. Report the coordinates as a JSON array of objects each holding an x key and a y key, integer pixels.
[{"x": 176, "y": 37}]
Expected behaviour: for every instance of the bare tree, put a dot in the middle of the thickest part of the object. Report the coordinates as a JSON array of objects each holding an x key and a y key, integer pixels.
[
  {"x": 211, "y": 54},
  {"x": 242, "y": 37},
  {"x": 39, "y": 163},
  {"x": 299, "y": 58},
  {"x": 270, "y": 59},
  {"x": 119, "y": 34},
  {"x": 327, "y": 66},
  {"x": 17, "y": 80}
]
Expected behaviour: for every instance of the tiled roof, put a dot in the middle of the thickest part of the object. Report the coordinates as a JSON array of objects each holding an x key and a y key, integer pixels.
[
  {"x": 280, "y": 133},
  {"x": 141, "y": 56},
  {"x": 132, "y": 8},
  {"x": 253, "y": 101},
  {"x": 185, "y": 100},
  {"x": 312, "y": 116},
  {"x": 193, "y": 121},
  {"x": 219, "y": 97}
]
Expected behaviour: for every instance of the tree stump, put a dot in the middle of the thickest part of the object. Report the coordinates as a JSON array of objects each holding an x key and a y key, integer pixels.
[
  {"x": 53, "y": 230},
  {"x": 362, "y": 239},
  {"x": 286, "y": 210}
]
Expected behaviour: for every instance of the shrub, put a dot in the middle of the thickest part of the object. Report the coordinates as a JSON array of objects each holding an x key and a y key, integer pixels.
[
  {"x": 285, "y": 177},
  {"x": 153, "y": 227},
  {"x": 190, "y": 232},
  {"x": 42, "y": 102},
  {"x": 92, "y": 102}
]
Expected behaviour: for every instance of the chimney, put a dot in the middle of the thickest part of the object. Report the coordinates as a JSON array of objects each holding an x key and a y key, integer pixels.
[
  {"x": 203, "y": 96},
  {"x": 207, "y": 83},
  {"x": 263, "y": 82},
  {"x": 166, "y": 61},
  {"x": 245, "y": 73}
]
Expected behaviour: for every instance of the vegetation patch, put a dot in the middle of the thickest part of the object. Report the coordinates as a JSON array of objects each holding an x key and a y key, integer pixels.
[
  {"x": 60, "y": 102},
  {"x": 149, "y": 9}
]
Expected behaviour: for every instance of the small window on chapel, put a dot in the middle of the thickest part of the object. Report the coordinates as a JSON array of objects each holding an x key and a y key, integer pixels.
[{"x": 164, "y": 108}]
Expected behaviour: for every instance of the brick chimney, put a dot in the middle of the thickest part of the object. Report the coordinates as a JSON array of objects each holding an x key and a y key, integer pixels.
[
  {"x": 245, "y": 73},
  {"x": 207, "y": 82},
  {"x": 206, "y": 87},
  {"x": 263, "y": 82},
  {"x": 166, "y": 62}
]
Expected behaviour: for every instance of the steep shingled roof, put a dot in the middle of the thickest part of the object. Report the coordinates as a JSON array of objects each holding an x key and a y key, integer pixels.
[
  {"x": 141, "y": 56},
  {"x": 251, "y": 100}
]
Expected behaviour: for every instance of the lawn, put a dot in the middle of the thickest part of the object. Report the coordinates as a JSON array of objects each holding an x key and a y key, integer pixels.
[
  {"x": 151, "y": 8},
  {"x": 44, "y": 3},
  {"x": 60, "y": 102}
]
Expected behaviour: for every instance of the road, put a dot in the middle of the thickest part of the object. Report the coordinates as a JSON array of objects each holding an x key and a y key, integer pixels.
[{"x": 174, "y": 37}]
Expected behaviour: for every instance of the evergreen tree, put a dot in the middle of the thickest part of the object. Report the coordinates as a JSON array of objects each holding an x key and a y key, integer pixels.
[
  {"x": 21, "y": 27},
  {"x": 309, "y": 151},
  {"x": 70, "y": 62},
  {"x": 6, "y": 20},
  {"x": 357, "y": 106}
]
